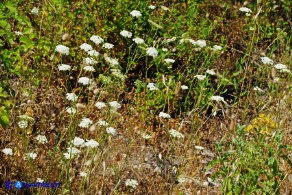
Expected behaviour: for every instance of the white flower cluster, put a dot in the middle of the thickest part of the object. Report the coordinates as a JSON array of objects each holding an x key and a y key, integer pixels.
[
  {"x": 151, "y": 51},
  {"x": 126, "y": 34},
  {"x": 7, "y": 151},
  {"x": 282, "y": 68},
  {"x": 62, "y": 49},
  {"x": 96, "y": 39},
  {"x": 85, "y": 123},
  {"x": 31, "y": 155},
  {"x": 86, "y": 47},
  {"x": 107, "y": 45},
  {"x": 111, "y": 130},
  {"x": 71, "y": 110},
  {"x": 200, "y": 77},
  {"x": 41, "y": 139},
  {"x": 174, "y": 133},
  {"x": 152, "y": 86},
  {"x": 132, "y": 183},
  {"x": 115, "y": 105},
  {"x": 266, "y": 60},
  {"x": 84, "y": 80},
  {"x": 34, "y": 11},
  {"x": 169, "y": 61},
  {"x": 71, "y": 97},
  {"x": 138, "y": 40},
  {"x": 64, "y": 67},
  {"x": 164, "y": 115},
  {"x": 246, "y": 10},
  {"x": 136, "y": 13}
]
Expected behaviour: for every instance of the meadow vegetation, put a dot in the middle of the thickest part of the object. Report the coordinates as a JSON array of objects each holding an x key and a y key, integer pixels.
[{"x": 146, "y": 97}]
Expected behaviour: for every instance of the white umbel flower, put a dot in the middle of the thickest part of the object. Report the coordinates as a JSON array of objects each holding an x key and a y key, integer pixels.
[
  {"x": 280, "y": 66},
  {"x": 169, "y": 61},
  {"x": 71, "y": 110},
  {"x": 85, "y": 123},
  {"x": 102, "y": 123},
  {"x": 93, "y": 53},
  {"x": 112, "y": 61},
  {"x": 91, "y": 143},
  {"x": 245, "y": 10},
  {"x": 151, "y": 51},
  {"x": 115, "y": 105},
  {"x": 22, "y": 124},
  {"x": 200, "y": 43},
  {"x": 64, "y": 67},
  {"x": 200, "y": 77},
  {"x": 126, "y": 34},
  {"x": 62, "y": 49},
  {"x": 31, "y": 155},
  {"x": 41, "y": 139},
  {"x": 266, "y": 60},
  {"x": 131, "y": 183},
  {"x": 78, "y": 141},
  {"x": 84, "y": 80},
  {"x": 174, "y": 133},
  {"x": 107, "y": 45},
  {"x": 96, "y": 39},
  {"x": 83, "y": 174},
  {"x": 35, "y": 11},
  {"x": 7, "y": 151},
  {"x": 256, "y": 88},
  {"x": 152, "y": 86},
  {"x": 138, "y": 40},
  {"x": 100, "y": 105},
  {"x": 71, "y": 97},
  {"x": 217, "y": 98},
  {"x": 164, "y": 115},
  {"x": 210, "y": 72},
  {"x": 111, "y": 130},
  {"x": 39, "y": 180},
  {"x": 184, "y": 87},
  {"x": 18, "y": 33},
  {"x": 136, "y": 13},
  {"x": 90, "y": 61},
  {"x": 89, "y": 68},
  {"x": 86, "y": 47},
  {"x": 151, "y": 7}
]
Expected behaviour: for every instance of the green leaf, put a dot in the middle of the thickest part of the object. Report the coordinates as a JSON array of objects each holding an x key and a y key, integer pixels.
[
  {"x": 4, "y": 121},
  {"x": 155, "y": 24}
]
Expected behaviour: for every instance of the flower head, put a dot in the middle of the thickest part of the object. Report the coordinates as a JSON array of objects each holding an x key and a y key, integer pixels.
[
  {"x": 93, "y": 53},
  {"x": 71, "y": 97},
  {"x": 266, "y": 60},
  {"x": 111, "y": 130},
  {"x": 200, "y": 77},
  {"x": 62, "y": 49},
  {"x": 151, "y": 7},
  {"x": 71, "y": 110},
  {"x": 217, "y": 98},
  {"x": 31, "y": 155},
  {"x": 91, "y": 143},
  {"x": 211, "y": 72},
  {"x": 41, "y": 139},
  {"x": 89, "y": 68},
  {"x": 22, "y": 124},
  {"x": 132, "y": 183},
  {"x": 78, "y": 141},
  {"x": 90, "y": 61},
  {"x": 96, "y": 39},
  {"x": 174, "y": 133},
  {"x": 151, "y": 51},
  {"x": 85, "y": 123},
  {"x": 107, "y": 45},
  {"x": 164, "y": 115},
  {"x": 245, "y": 10},
  {"x": 84, "y": 80},
  {"x": 138, "y": 40},
  {"x": 169, "y": 61},
  {"x": 18, "y": 33},
  {"x": 7, "y": 151},
  {"x": 184, "y": 87},
  {"x": 83, "y": 174},
  {"x": 86, "y": 47},
  {"x": 280, "y": 66},
  {"x": 102, "y": 123},
  {"x": 115, "y": 105},
  {"x": 100, "y": 105},
  {"x": 64, "y": 67},
  {"x": 34, "y": 11},
  {"x": 152, "y": 86},
  {"x": 126, "y": 34},
  {"x": 136, "y": 13}
]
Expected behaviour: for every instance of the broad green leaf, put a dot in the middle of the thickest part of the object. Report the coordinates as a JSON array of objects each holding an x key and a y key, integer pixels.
[{"x": 4, "y": 121}]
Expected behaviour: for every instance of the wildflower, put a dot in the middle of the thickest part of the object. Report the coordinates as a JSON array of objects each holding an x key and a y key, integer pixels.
[
  {"x": 96, "y": 39},
  {"x": 164, "y": 49},
  {"x": 39, "y": 180},
  {"x": 117, "y": 73},
  {"x": 285, "y": 70},
  {"x": 151, "y": 7},
  {"x": 199, "y": 147},
  {"x": 132, "y": 183},
  {"x": 93, "y": 53},
  {"x": 164, "y": 8},
  {"x": 152, "y": 86},
  {"x": 216, "y": 48},
  {"x": 136, "y": 13},
  {"x": 126, "y": 34},
  {"x": 266, "y": 60},
  {"x": 71, "y": 152},
  {"x": 146, "y": 136},
  {"x": 245, "y": 10},
  {"x": 111, "y": 130},
  {"x": 100, "y": 105},
  {"x": 184, "y": 87},
  {"x": 112, "y": 61},
  {"x": 115, "y": 105},
  {"x": 200, "y": 77},
  {"x": 18, "y": 33},
  {"x": 138, "y": 40},
  {"x": 7, "y": 151},
  {"x": 64, "y": 67},
  {"x": 256, "y": 88},
  {"x": 174, "y": 133},
  {"x": 41, "y": 139},
  {"x": 86, "y": 47},
  {"x": 84, "y": 80},
  {"x": 107, "y": 45},
  {"x": 85, "y": 123},
  {"x": 164, "y": 115},
  {"x": 22, "y": 124},
  {"x": 211, "y": 72},
  {"x": 151, "y": 51},
  {"x": 83, "y": 174},
  {"x": 78, "y": 141},
  {"x": 200, "y": 43},
  {"x": 71, "y": 97},
  {"x": 91, "y": 143},
  {"x": 62, "y": 49},
  {"x": 34, "y": 11},
  {"x": 169, "y": 60},
  {"x": 89, "y": 68},
  {"x": 102, "y": 123},
  {"x": 90, "y": 61},
  {"x": 31, "y": 155},
  {"x": 280, "y": 66},
  {"x": 217, "y": 98}
]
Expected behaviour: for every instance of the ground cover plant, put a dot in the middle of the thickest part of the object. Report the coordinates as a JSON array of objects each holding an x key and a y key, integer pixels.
[{"x": 145, "y": 97}]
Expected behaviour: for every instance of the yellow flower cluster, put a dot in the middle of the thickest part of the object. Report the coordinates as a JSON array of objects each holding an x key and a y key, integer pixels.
[{"x": 263, "y": 123}]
